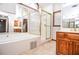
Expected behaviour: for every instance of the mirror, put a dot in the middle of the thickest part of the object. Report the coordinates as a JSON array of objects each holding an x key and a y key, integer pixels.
[
  {"x": 70, "y": 16},
  {"x": 77, "y": 23},
  {"x": 4, "y": 25},
  {"x": 25, "y": 25}
]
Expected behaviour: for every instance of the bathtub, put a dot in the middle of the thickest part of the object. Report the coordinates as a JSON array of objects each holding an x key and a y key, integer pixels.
[{"x": 16, "y": 43}]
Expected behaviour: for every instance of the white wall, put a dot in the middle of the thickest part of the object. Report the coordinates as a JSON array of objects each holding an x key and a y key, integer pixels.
[
  {"x": 56, "y": 6},
  {"x": 48, "y": 8}
]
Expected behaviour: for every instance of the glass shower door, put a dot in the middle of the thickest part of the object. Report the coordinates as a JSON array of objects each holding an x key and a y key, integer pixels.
[
  {"x": 34, "y": 23},
  {"x": 45, "y": 25},
  {"x": 48, "y": 27}
]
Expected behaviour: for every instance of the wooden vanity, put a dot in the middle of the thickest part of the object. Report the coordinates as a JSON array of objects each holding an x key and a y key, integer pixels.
[{"x": 67, "y": 43}]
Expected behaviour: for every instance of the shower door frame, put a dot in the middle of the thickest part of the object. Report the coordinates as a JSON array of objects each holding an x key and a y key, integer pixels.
[{"x": 46, "y": 23}]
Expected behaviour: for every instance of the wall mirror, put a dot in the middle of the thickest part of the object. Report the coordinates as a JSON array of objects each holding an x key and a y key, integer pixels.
[
  {"x": 70, "y": 16},
  {"x": 4, "y": 24},
  {"x": 57, "y": 18}
]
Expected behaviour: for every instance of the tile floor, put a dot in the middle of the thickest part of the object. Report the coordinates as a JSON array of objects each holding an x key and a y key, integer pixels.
[{"x": 48, "y": 48}]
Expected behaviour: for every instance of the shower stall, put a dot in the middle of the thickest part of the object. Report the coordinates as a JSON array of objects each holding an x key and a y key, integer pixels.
[
  {"x": 46, "y": 25},
  {"x": 35, "y": 22},
  {"x": 39, "y": 23}
]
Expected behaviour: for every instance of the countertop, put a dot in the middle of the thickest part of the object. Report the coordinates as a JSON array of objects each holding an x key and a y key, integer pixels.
[{"x": 69, "y": 31}]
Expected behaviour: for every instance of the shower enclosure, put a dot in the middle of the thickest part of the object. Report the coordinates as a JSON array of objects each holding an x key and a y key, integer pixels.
[
  {"x": 45, "y": 25},
  {"x": 35, "y": 22},
  {"x": 39, "y": 23}
]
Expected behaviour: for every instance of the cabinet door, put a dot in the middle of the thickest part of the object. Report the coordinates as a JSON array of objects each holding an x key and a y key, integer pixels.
[
  {"x": 62, "y": 46},
  {"x": 75, "y": 48}
]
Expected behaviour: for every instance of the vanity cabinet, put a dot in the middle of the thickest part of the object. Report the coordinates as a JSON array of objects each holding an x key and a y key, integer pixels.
[{"x": 67, "y": 43}]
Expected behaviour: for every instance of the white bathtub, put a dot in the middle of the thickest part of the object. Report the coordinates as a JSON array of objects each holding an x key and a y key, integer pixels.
[{"x": 15, "y": 43}]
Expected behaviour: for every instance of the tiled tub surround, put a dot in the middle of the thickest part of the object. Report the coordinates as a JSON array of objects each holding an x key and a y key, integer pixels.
[{"x": 16, "y": 43}]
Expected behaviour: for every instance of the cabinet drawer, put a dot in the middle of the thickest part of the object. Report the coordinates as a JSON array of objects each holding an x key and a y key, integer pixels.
[
  {"x": 60, "y": 35},
  {"x": 73, "y": 36}
]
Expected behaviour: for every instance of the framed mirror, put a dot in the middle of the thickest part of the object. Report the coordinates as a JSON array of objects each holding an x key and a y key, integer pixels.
[
  {"x": 57, "y": 18},
  {"x": 77, "y": 23}
]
